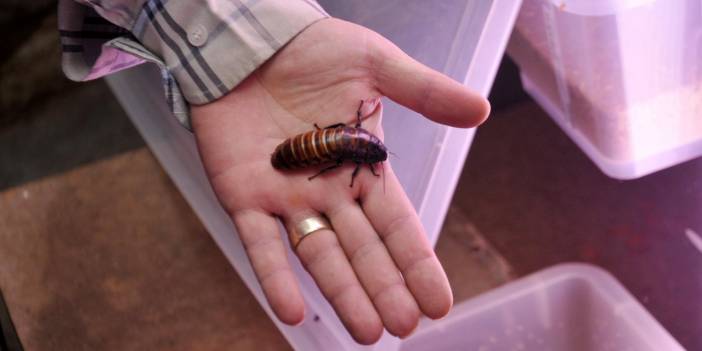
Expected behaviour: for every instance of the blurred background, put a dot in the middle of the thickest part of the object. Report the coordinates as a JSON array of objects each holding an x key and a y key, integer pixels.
[{"x": 98, "y": 250}]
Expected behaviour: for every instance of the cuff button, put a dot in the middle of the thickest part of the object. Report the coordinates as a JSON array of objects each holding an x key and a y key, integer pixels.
[{"x": 197, "y": 35}]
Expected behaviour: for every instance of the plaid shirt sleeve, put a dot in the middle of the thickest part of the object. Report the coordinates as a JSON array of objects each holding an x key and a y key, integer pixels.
[{"x": 204, "y": 48}]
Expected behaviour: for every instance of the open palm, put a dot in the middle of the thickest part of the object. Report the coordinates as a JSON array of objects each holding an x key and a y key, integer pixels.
[{"x": 376, "y": 268}]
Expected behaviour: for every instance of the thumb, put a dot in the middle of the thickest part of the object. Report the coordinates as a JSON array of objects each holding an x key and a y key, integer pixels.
[{"x": 427, "y": 91}]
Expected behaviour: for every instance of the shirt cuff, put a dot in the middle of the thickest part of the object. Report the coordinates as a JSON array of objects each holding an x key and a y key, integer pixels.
[
  {"x": 211, "y": 46},
  {"x": 204, "y": 48}
]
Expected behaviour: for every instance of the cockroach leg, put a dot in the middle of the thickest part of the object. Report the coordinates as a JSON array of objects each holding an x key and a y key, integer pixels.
[
  {"x": 336, "y": 165},
  {"x": 358, "y": 115},
  {"x": 372, "y": 168},
  {"x": 354, "y": 174},
  {"x": 334, "y": 125},
  {"x": 317, "y": 127}
]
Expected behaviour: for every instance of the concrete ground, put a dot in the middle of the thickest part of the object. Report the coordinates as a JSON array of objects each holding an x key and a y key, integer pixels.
[{"x": 108, "y": 256}]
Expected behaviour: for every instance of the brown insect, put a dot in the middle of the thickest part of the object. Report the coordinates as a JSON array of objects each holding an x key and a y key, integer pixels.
[{"x": 332, "y": 145}]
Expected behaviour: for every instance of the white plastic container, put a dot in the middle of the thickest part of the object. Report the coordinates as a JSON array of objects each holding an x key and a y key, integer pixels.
[
  {"x": 465, "y": 39},
  {"x": 575, "y": 307},
  {"x": 623, "y": 78}
]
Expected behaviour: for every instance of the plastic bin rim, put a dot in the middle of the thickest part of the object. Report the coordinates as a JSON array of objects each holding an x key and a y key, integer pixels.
[
  {"x": 604, "y": 283},
  {"x": 601, "y": 280},
  {"x": 598, "y": 7}
]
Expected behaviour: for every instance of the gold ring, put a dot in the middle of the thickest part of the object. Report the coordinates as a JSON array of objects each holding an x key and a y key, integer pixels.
[{"x": 306, "y": 227}]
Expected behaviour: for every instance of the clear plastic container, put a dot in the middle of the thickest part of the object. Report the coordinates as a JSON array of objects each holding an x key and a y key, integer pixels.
[
  {"x": 464, "y": 39},
  {"x": 623, "y": 78},
  {"x": 576, "y": 307}
]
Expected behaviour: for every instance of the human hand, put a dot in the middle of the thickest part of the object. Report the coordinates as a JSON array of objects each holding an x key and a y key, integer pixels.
[{"x": 376, "y": 268}]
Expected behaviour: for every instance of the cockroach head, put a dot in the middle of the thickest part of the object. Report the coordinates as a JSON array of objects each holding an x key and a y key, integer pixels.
[{"x": 377, "y": 153}]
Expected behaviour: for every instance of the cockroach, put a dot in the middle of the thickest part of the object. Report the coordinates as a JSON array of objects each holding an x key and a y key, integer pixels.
[{"x": 331, "y": 146}]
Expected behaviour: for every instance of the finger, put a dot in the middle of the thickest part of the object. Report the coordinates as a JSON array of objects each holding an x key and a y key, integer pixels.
[
  {"x": 263, "y": 243},
  {"x": 393, "y": 216},
  {"x": 326, "y": 262},
  {"x": 375, "y": 269},
  {"x": 427, "y": 91}
]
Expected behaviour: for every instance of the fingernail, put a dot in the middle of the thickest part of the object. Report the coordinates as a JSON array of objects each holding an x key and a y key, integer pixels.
[{"x": 410, "y": 333}]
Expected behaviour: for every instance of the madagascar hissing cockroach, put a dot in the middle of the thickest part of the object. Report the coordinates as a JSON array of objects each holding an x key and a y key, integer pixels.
[{"x": 332, "y": 146}]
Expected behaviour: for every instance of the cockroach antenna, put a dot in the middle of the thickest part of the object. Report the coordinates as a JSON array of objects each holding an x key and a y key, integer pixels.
[{"x": 382, "y": 170}]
